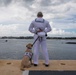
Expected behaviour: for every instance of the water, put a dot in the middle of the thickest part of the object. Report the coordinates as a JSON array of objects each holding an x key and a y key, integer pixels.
[{"x": 58, "y": 50}]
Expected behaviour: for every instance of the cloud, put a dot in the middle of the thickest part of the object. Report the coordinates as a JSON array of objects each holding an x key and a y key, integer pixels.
[
  {"x": 18, "y": 14},
  {"x": 61, "y": 33},
  {"x": 29, "y": 2},
  {"x": 14, "y": 30},
  {"x": 14, "y": 14},
  {"x": 5, "y": 2}
]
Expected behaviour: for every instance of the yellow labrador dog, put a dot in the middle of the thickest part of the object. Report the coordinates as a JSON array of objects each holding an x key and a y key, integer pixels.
[{"x": 27, "y": 59}]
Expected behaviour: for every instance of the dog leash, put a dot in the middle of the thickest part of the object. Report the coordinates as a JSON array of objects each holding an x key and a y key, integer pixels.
[{"x": 35, "y": 40}]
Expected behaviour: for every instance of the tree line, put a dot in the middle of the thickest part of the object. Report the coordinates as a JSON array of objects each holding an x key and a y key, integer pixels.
[{"x": 31, "y": 37}]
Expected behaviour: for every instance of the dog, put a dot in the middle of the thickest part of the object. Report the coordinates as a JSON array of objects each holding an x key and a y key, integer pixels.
[{"x": 27, "y": 59}]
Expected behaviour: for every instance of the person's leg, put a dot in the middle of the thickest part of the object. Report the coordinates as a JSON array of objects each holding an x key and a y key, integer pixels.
[
  {"x": 36, "y": 52},
  {"x": 45, "y": 51}
]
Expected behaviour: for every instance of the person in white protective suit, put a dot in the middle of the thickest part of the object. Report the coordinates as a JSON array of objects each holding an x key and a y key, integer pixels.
[{"x": 40, "y": 27}]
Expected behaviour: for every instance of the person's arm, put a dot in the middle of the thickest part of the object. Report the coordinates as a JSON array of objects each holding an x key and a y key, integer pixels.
[
  {"x": 48, "y": 28},
  {"x": 31, "y": 28}
]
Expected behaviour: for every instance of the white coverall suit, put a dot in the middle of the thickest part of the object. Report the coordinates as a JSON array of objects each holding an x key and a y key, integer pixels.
[{"x": 40, "y": 23}]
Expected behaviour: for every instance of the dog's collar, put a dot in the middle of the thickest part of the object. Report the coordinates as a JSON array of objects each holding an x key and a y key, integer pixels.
[{"x": 29, "y": 48}]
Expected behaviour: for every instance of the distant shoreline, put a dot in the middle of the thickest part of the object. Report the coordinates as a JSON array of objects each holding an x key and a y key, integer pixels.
[
  {"x": 31, "y": 37},
  {"x": 70, "y": 42}
]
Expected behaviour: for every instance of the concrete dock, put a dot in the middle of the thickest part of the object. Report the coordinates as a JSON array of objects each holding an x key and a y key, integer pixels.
[{"x": 12, "y": 67}]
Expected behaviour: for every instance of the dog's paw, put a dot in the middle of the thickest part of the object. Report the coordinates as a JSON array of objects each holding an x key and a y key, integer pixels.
[{"x": 28, "y": 66}]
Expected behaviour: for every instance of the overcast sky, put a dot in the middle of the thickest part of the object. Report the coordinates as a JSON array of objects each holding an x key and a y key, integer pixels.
[{"x": 16, "y": 16}]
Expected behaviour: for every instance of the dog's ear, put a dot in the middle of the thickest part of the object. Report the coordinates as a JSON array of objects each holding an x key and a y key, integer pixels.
[
  {"x": 31, "y": 44},
  {"x": 27, "y": 45}
]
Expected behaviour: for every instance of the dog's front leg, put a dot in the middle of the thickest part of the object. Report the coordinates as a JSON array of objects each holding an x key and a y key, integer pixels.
[
  {"x": 22, "y": 67},
  {"x": 31, "y": 61}
]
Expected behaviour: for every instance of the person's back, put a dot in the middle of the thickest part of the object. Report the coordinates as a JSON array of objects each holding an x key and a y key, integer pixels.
[{"x": 38, "y": 26}]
